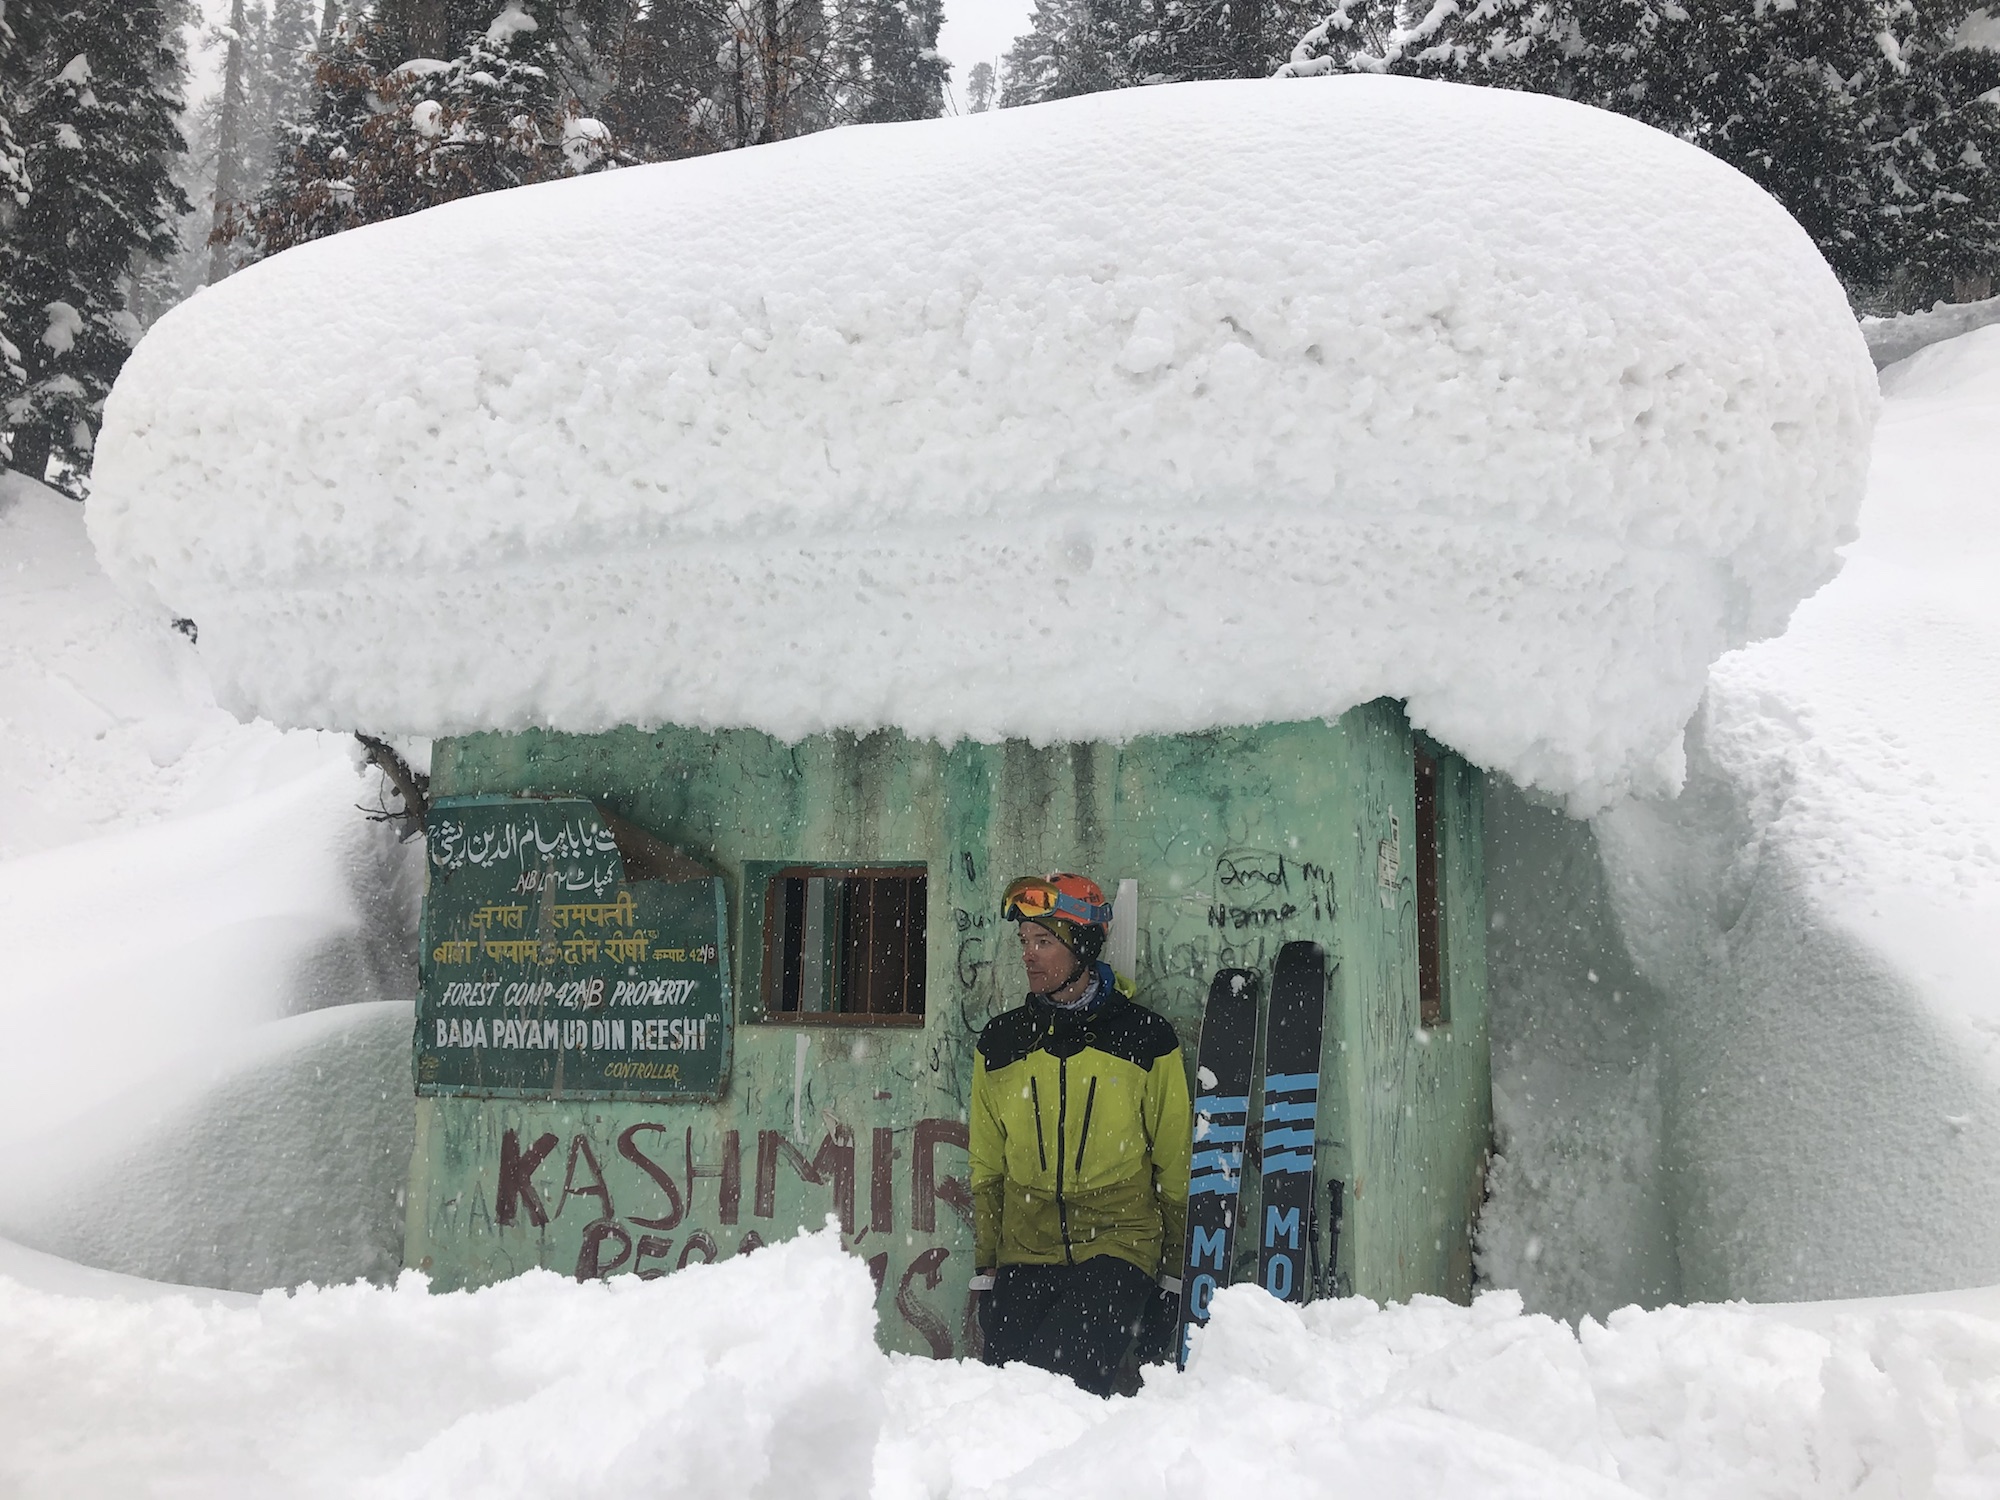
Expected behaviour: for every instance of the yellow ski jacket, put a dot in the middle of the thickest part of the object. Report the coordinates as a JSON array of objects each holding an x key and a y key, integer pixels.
[{"x": 1080, "y": 1135}]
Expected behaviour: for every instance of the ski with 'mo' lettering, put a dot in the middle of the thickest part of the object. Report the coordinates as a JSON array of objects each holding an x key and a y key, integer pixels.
[
  {"x": 1291, "y": 1109},
  {"x": 1221, "y": 1111}
]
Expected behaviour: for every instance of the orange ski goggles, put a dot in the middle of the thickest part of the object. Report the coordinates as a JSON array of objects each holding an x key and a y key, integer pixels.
[{"x": 1031, "y": 898}]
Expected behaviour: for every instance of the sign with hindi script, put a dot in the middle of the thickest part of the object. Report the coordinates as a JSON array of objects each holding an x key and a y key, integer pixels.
[{"x": 547, "y": 974}]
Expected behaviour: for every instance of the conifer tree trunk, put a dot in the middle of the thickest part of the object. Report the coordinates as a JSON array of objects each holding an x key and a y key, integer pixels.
[
  {"x": 33, "y": 445},
  {"x": 228, "y": 152},
  {"x": 773, "y": 61}
]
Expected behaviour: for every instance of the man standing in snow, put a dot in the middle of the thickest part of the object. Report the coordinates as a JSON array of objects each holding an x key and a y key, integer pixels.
[{"x": 1079, "y": 1151}]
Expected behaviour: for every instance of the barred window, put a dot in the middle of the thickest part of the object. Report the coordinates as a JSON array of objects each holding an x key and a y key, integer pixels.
[{"x": 845, "y": 945}]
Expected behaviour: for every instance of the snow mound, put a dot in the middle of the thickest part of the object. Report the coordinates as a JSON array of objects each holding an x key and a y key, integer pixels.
[
  {"x": 176, "y": 888},
  {"x": 283, "y": 1157},
  {"x": 106, "y": 718},
  {"x": 1892, "y": 340},
  {"x": 1577, "y": 1216},
  {"x": 1241, "y": 401},
  {"x": 42, "y": 1272},
  {"x": 194, "y": 1089},
  {"x": 142, "y": 953},
  {"x": 758, "y": 1376},
  {"x": 1819, "y": 908}
]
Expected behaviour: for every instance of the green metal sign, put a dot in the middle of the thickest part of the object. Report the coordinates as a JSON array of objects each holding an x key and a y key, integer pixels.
[{"x": 547, "y": 974}]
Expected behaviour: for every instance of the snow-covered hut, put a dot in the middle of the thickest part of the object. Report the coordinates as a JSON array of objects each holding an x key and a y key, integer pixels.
[{"x": 1190, "y": 486}]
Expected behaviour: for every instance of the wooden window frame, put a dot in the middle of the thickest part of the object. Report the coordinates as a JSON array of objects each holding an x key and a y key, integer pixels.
[
  {"x": 783, "y": 945},
  {"x": 1433, "y": 990}
]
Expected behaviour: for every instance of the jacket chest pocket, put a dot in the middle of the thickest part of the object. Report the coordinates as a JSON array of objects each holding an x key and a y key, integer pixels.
[{"x": 1106, "y": 1140}]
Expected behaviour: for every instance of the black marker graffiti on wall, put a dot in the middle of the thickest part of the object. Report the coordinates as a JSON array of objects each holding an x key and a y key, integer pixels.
[{"x": 1256, "y": 888}]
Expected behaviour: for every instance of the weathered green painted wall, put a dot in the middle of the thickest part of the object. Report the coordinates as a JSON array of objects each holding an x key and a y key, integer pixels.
[
  {"x": 1416, "y": 1166},
  {"x": 1240, "y": 840}
]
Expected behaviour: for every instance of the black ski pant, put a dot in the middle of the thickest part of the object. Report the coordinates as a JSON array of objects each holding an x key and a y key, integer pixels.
[{"x": 1075, "y": 1320}]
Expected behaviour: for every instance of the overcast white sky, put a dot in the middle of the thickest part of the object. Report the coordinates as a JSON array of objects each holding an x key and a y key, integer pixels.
[{"x": 979, "y": 31}]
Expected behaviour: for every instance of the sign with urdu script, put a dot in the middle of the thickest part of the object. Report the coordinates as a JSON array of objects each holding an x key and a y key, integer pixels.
[{"x": 546, "y": 974}]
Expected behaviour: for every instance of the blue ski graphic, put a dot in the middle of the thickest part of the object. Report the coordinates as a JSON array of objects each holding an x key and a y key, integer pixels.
[
  {"x": 1291, "y": 1107},
  {"x": 1221, "y": 1118}
]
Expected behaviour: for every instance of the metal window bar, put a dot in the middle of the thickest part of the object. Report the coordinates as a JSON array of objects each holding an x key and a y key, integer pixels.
[{"x": 846, "y": 944}]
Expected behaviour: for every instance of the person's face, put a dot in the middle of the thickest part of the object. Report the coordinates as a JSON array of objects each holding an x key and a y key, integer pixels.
[{"x": 1047, "y": 961}]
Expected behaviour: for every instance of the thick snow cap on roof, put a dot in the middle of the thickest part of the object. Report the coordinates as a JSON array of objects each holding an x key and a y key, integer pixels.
[{"x": 1150, "y": 411}]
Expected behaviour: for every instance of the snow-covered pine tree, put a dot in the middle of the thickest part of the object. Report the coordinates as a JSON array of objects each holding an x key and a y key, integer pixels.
[
  {"x": 980, "y": 88},
  {"x": 777, "y": 73},
  {"x": 1934, "y": 147},
  {"x": 18, "y": 42},
  {"x": 98, "y": 132},
  {"x": 1184, "y": 39},
  {"x": 392, "y": 131},
  {"x": 269, "y": 47},
  {"x": 272, "y": 58},
  {"x": 891, "y": 66},
  {"x": 660, "y": 63},
  {"x": 1874, "y": 122},
  {"x": 494, "y": 116},
  {"x": 311, "y": 190},
  {"x": 1073, "y": 47},
  {"x": 233, "y": 168}
]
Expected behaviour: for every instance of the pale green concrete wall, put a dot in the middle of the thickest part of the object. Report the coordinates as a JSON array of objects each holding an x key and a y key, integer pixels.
[{"x": 1240, "y": 840}]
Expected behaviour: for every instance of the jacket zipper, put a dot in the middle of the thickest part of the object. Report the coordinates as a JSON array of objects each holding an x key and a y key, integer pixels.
[
  {"x": 1089, "y": 1103},
  {"x": 1062, "y": 1120},
  {"x": 1035, "y": 1098}
]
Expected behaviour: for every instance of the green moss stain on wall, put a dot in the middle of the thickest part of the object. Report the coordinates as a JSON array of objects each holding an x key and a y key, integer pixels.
[{"x": 1240, "y": 840}]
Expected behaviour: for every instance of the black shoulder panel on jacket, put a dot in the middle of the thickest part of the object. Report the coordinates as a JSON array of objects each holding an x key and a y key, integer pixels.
[
  {"x": 1126, "y": 1029},
  {"x": 1010, "y": 1036},
  {"x": 1119, "y": 1027}
]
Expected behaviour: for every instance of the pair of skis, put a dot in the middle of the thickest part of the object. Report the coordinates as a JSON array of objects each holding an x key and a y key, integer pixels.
[{"x": 1226, "y": 1065}]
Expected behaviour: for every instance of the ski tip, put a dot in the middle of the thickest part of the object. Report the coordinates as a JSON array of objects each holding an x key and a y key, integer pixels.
[
  {"x": 1235, "y": 983},
  {"x": 1301, "y": 953}
]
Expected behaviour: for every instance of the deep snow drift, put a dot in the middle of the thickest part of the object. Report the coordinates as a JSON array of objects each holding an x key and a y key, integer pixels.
[
  {"x": 1579, "y": 1214},
  {"x": 188, "y": 1089},
  {"x": 1242, "y": 402},
  {"x": 1821, "y": 906},
  {"x": 106, "y": 718},
  {"x": 759, "y": 1377}
]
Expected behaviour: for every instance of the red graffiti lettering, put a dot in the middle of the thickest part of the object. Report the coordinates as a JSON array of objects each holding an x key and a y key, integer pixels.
[
  {"x": 590, "y": 1264},
  {"x": 925, "y": 1187},
  {"x": 517, "y": 1178},
  {"x": 700, "y": 1240},
  {"x": 834, "y": 1162},
  {"x": 628, "y": 1147},
  {"x": 651, "y": 1247},
  {"x": 881, "y": 1184},
  {"x": 730, "y": 1173},
  {"x": 596, "y": 1187},
  {"x": 919, "y": 1315}
]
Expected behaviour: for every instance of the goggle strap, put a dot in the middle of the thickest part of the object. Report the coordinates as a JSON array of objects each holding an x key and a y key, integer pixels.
[{"x": 1082, "y": 910}]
